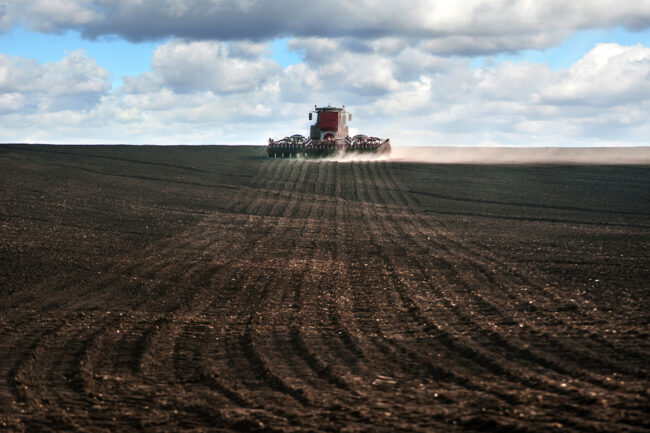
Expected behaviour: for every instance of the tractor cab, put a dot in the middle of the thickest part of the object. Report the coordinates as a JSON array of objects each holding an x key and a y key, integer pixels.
[{"x": 331, "y": 123}]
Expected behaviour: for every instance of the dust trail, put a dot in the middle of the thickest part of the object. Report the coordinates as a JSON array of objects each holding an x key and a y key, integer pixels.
[
  {"x": 523, "y": 155},
  {"x": 351, "y": 157},
  {"x": 503, "y": 155}
]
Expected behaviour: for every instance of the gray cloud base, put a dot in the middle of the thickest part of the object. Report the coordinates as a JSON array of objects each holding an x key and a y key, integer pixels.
[{"x": 463, "y": 27}]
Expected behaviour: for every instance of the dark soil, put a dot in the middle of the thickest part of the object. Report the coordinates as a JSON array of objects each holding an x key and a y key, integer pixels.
[{"x": 212, "y": 289}]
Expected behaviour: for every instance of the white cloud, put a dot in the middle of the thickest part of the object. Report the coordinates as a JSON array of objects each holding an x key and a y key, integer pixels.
[
  {"x": 49, "y": 15},
  {"x": 299, "y": 83},
  {"x": 11, "y": 102},
  {"x": 17, "y": 74},
  {"x": 75, "y": 82},
  {"x": 511, "y": 81},
  {"x": 609, "y": 74},
  {"x": 360, "y": 70},
  {"x": 602, "y": 98},
  {"x": 75, "y": 74},
  {"x": 216, "y": 92},
  {"x": 208, "y": 65}
]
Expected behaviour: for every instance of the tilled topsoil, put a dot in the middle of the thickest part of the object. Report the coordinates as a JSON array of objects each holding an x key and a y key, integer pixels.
[{"x": 211, "y": 289}]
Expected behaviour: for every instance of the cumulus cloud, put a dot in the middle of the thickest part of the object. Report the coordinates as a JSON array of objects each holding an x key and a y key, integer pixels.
[
  {"x": 462, "y": 27},
  {"x": 225, "y": 92},
  {"x": 602, "y": 99},
  {"x": 49, "y": 15},
  {"x": 75, "y": 82},
  {"x": 609, "y": 74},
  {"x": 299, "y": 83},
  {"x": 211, "y": 65},
  {"x": 378, "y": 68},
  {"x": 11, "y": 102}
]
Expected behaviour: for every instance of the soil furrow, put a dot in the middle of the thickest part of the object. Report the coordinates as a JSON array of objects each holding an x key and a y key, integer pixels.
[
  {"x": 488, "y": 275},
  {"x": 211, "y": 289}
]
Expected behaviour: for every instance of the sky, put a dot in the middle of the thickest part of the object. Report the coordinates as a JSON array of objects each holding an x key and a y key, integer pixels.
[{"x": 420, "y": 72}]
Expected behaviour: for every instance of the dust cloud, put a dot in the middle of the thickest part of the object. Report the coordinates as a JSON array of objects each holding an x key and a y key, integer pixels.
[
  {"x": 502, "y": 155},
  {"x": 352, "y": 157},
  {"x": 523, "y": 155}
]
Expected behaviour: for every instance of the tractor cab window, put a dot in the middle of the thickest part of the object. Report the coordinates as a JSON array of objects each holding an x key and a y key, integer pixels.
[{"x": 329, "y": 120}]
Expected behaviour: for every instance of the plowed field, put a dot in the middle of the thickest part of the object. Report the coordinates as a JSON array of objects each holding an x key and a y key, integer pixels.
[{"x": 212, "y": 289}]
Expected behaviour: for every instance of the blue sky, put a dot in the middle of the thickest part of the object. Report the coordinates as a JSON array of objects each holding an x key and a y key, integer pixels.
[
  {"x": 281, "y": 53},
  {"x": 197, "y": 71}
]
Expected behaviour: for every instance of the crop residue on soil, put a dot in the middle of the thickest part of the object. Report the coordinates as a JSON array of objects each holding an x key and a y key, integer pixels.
[{"x": 211, "y": 289}]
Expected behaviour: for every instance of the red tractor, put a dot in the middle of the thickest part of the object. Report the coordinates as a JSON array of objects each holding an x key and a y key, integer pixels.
[{"x": 329, "y": 135}]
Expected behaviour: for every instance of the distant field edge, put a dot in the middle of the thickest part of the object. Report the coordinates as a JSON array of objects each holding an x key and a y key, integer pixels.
[{"x": 599, "y": 155}]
